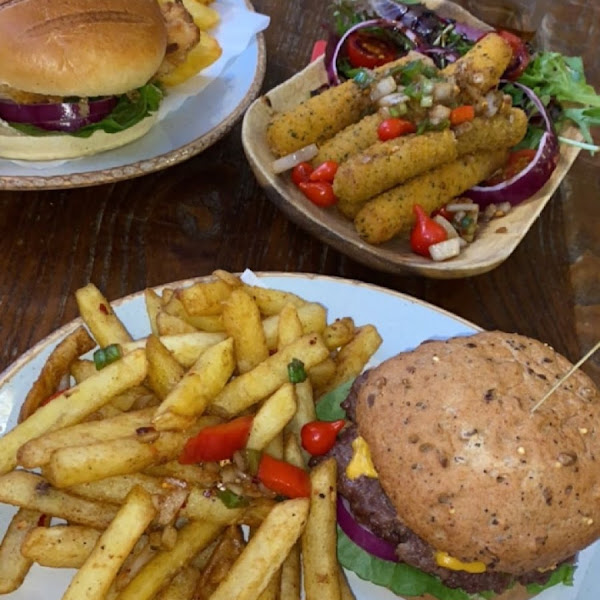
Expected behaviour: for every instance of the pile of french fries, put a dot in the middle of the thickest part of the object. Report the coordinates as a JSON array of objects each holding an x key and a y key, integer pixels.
[{"x": 93, "y": 467}]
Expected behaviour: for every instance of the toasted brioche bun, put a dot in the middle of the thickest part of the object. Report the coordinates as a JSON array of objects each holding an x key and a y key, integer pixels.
[
  {"x": 14, "y": 145},
  {"x": 80, "y": 47},
  {"x": 466, "y": 464}
]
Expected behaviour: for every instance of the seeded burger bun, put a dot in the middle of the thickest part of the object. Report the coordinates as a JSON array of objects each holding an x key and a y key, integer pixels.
[
  {"x": 72, "y": 51},
  {"x": 468, "y": 470}
]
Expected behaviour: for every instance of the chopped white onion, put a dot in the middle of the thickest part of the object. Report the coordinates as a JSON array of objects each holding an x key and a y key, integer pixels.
[
  {"x": 439, "y": 113},
  {"x": 383, "y": 87},
  {"x": 492, "y": 103},
  {"x": 289, "y": 161},
  {"x": 467, "y": 206},
  {"x": 444, "y": 91},
  {"x": 450, "y": 230},
  {"x": 393, "y": 99},
  {"x": 444, "y": 250}
]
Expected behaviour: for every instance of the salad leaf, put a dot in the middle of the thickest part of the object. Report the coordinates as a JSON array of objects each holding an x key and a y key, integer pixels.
[
  {"x": 130, "y": 110},
  {"x": 328, "y": 407},
  {"x": 564, "y": 574}
]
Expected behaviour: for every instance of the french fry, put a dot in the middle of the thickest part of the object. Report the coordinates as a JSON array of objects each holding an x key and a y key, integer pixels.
[
  {"x": 203, "y": 474},
  {"x": 37, "y": 452},
  {"x": 115, "y": 489},
  {"x": 74, "y": 404},
  {"x": 272, "y": 417},
  {"x": 270, "y": 301},
  {"x": 204, "y": 298},
  {"x": 153, "y": 304},
  {"x": 14, "y": 566},
  {"x": 204, "y": 16},
  {"x": 182, "y": 586},
  {"x": 185, "y": 347},
  {"x": 121, "y": 456},
  {"x": 305, "y": 409},
  {"x": 289, "y": 327},
  {"x": 160, "y": 569},
  {"x": 229, "y": 278},
  {"x": 265, "y": 552},
  {"x": 313, "y": 317},
  {"x": 242, "y": 321},
  {"x": 164, "y": 372},
  {"x": 352, "y": 358},
  {"x": 339, "y": 333},
  {"x": 265, "y": 378},
  {"x": 61, "y": 546},
  {"x": 75, "y": 344},
  {"x": 292, "y": 451},
  {"x": 31, "y": 491},
  {"x": 81, "y": 369},
  {"x": 271, "y": 592},
  {"x": 98, "y": 315},
  {"x": 199, "y": 386},
  {"x": 320, "y": 375},
  {"x": 167, "y": 324},
  {"x": 203, "y": 323},
  {"x": 319, "y": 539},
  {"x": 95, "y": 576}
]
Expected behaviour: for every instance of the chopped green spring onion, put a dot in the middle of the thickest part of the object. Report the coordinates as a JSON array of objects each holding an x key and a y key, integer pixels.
[
  {"x": 231, "y": 499},
  {"x": 105, "y": 356},
  {"x": 296, "y": 371}
]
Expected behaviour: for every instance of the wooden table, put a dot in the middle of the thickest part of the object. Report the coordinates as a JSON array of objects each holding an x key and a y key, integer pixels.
[{"x": 210, "y": 213}]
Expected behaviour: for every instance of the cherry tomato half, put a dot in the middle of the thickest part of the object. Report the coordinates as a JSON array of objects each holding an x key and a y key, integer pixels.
[
  {"x": 520, "y": 54},
  {"x": 301, "y": 172},
  {"x": 318, "y": 192},
  {"x": 325, "y": 171},
  {"x": 393, "y": 128},
  {"x": 368, "y": 51},
  {"x": 318, "y": 437},
  {"x": 516, "y": 162},
  {"x": 425, "y": 232}
]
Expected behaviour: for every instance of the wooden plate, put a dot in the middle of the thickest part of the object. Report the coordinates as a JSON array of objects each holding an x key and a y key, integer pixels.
[{"x": 495, "y": 242}]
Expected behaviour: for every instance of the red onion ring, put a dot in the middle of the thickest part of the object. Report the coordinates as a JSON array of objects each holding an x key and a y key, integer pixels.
[
  {"x": 58, "y": 116},
  {"x": 362, "y": 536},
  {"x": 533, "y": 177}
]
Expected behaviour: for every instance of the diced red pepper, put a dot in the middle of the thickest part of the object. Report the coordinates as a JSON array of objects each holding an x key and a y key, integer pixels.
[
  {"x": 283, "y": 478},
  {"x": 462, "y": 114},
  {"x": 217, "y": 442},
  {"x": 318, "y": 437},
  {"x": 393, "y": 127}
]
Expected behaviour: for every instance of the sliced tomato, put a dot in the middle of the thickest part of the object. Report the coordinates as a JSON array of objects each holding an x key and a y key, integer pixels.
[
  {"x": 369, "y": 51},
  {"x": 217, "y": 442},
  {"x": 283, "y": 478},
  {"x": 318, "y": 192},
  {"x": 392, "y": 128},
  {"x": 516, "y": 162},
  {"x": 520, "y": 54}
]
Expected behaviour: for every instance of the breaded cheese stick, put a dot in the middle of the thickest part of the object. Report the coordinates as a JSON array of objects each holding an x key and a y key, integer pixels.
[
  {"x": 387, "y": 164},
  {"x": 391, "y": 213},
  {"x": 482, "y": 66},
  {"x": 320, "y": 117}
]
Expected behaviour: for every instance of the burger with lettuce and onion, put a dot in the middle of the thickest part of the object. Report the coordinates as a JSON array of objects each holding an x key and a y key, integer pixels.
[
  {"x": 77, "y": 76},
  {"x": 453, "y": 485}
]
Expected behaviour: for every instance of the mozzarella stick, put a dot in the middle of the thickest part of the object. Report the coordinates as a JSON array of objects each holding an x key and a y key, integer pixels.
[{"x": 391, "y": 213}]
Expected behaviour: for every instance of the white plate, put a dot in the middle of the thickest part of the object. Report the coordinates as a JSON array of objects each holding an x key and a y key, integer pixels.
[
  {"x": 233, "y": 82},
  {"x": 403, "y": 321}
]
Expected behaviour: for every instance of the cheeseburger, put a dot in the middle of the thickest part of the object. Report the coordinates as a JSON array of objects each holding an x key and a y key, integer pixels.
[
  {"x": 448, "y": 475},
  {"x": 77, "y": 76}
]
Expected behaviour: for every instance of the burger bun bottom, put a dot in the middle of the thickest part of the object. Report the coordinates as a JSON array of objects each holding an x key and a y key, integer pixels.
[{"x": 17, "y": 146}]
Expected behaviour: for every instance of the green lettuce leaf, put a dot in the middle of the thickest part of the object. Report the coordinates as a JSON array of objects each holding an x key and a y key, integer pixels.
[
  {"x": 130, "y": 110},
  {"x": 328, "y": 407}
]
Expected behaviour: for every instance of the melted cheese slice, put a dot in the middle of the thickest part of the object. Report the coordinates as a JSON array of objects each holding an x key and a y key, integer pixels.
[
  {"x": 443, "y": 559},
  {"x": 361, "y": 462}
]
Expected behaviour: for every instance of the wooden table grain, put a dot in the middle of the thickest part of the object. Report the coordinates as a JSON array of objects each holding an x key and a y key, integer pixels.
[{"x": 209, "y": 213}]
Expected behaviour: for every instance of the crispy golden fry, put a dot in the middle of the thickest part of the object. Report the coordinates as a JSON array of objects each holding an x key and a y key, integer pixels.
[
  {"x": 271, "y": 592},
  {"x": 305, "y": 411},
  {"x": 199, "y": 386},
  {"x": 275, "y": 446},
  {"x": 320, "y": 375},
  {"x": 81, "y": 369},
  {"x": 167, "y": 324},
  {"x": 353, "y": 357},
  {"x": 391, "y": 213},
  {"x": 251, "y": 387},
  {"x": 37, "y": 452},
  {"x": 182, "y": 586},
  {"x": 272, "y": 417},
  {"x": 319, "y": 540},
  {"x": 230, "y": 279},
  {"x": 225, "y": 553},
  {"x": 290, "y": 585},
  {"x": 203, "y": 323},
  {"x": 153, "y": 306},
  {"x": 203, "y": 474},
  {"x": 292, "y": 451},
  {"x": 115, "y": 489},
  {"x": 117, "y": 457},
  {"x": 164, "y": 372},
  {"x": 204, "y": 16},
  {"x": 387, "y": 164},
  {"x": 94, "y": 578},
  {"x": 482, "y": 66},
  {"x": 339, "y": 333},
  {"x": 60, "y": 546},
  {"x": 185, "y": 347},
  {"x": 313, "y": 317},
  {"x": 145, "y": 549},
  {"x": 265, "y": 552},
  {"x": 289, "y": 328},
  {"x": 204, "y": 298},
  {"x": 98, "y": 315},
  {"x": 160, "y": 569},
  {"x": 271, "y": 302},
  {"x": 242, "y": 321},
  {"x": 14, "y": 566},
  {"x": 74, "y": 404},
  {"x": 57, "y": 365},
  {"x": 28, "y": 490}
]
